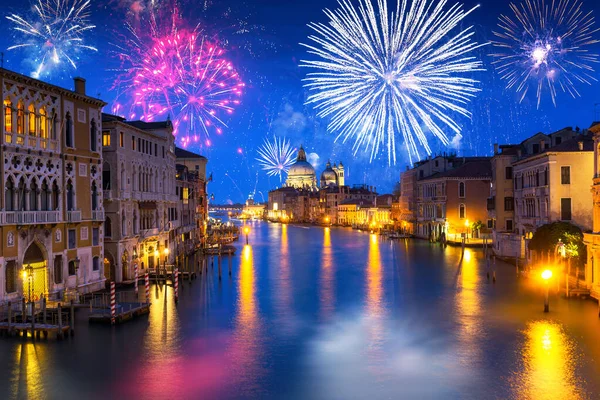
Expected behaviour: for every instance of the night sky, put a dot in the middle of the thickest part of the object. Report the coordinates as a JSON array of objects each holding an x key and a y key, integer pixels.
[{"x": 262, "y": 39}]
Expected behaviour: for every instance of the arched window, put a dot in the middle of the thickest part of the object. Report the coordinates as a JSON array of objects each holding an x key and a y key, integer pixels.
[
  {"x": 20, "y": 197},
  {"x": 9, "y": 195},
  {"x": 107, "y": 227},
  {"x": 96, "y": 264},
  {"x": 10, "y": 277},
  {"x": 33, "y": 196},
  {"x": 94, "y": 196},
  {"x": 32, "y": 121},
  {"x": 93, "y": 135},
  {"x": 123, "y": 182},
  {"x": 462, "y": 212},
  {"x": 106, "y": 176},
  {"x": 70, "y": 196},
  {"x": 72, "y": 269},
  {"x": 53, "y": 125},
  {"x": 43, "y": 123},
  {"x": 8, "y": 117},
  {"x": 461, "y": 190},
  {"x": 55, "y": 196},
  {"x": 123, "y": 225},
  {"x": 68, "y": 130},
  {"x": 21, "y": 118},
  {"x": 45, "y": 204},
  {"x": 135, "y": 228}
]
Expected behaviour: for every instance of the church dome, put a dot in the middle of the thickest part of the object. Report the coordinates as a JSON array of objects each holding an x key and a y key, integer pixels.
[
  {"x": 328, "y": 177},
  {"x": 301, "y": 174}
]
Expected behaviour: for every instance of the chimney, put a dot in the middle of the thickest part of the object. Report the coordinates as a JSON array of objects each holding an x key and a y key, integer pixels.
[
  {"x": 580, "y": 144},
  {"x": 519, "y": 153},
  {"x": 542, "y": 145},
  {"x": 495, "y": 148},
  {"x": 79, "y": 85}
]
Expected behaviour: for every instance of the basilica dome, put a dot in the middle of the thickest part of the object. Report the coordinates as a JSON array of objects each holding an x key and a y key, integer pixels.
[
  {"x": 301, "y": 174},
  {"x": 329, "y": 177}
]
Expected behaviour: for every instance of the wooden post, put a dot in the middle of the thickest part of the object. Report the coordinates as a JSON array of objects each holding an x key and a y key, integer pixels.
[
  {"x": 44, "y": 320},
  {"x": 113, "y": 303},
  {"x": 23, "y": 311},
  {"x": 10, "y": 318},
  {"x": 60, "y": 331},
  {"x": 568, "y": 276},
  {"x": 176, "y": 284},
  {"x": 72, "y": 324},
  {"x": 147, "y": 287},
  {"x": 219, "y": 262},
  {"x": 32, "y": 319}
]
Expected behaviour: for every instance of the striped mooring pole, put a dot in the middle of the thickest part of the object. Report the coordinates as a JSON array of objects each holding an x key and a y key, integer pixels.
[
  {"x": 113, "y": 303},
  {"x": 147, "y": 284},
  {"x": 135, "y": 269},
  {"x": 176, "y": 275}
]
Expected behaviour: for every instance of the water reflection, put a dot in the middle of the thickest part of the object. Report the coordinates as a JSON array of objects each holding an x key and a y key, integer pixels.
[
  {"x": 327, "y": 276},
  {"x": 282, "y": 278},
  {"x": 246, "y": 346},
  {"x": 162, "y": 335},
  {"x": 468, "y": 305},
  {"x": 28, "y": 382},
  {"x": 375, "y": 309},
  {"x": 549, "y": 364}
]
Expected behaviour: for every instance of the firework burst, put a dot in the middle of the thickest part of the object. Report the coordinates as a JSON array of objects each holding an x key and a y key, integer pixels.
[
  {"x": 180, "y": 74},
  {"x": 383, "y": 73},
  {"x": 544, "y": 45},
  {"x": 276, "y": 157},
  {"x": 54, "y": 34}
]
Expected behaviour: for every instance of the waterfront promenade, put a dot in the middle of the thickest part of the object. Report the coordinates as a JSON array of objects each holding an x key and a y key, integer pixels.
[{"x": 327, "y": 313}]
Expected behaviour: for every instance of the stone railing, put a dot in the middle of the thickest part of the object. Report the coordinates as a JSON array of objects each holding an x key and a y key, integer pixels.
[
  {"x": 74, "y": 216},
  {"x": 29, "y": 217},
  {"x": 97, "y": 215}
]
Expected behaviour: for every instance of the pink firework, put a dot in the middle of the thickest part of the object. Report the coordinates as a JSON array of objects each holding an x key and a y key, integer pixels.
[{"x": 183, "y": 76}]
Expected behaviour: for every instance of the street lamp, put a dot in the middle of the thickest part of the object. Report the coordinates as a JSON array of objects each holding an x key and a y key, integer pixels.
[
  {"x": 546, "y": 275},
  {"x": 246, "y": 231}
]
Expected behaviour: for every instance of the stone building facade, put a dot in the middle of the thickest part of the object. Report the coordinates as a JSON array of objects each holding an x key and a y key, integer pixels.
[{"x": 51, "y": 211}]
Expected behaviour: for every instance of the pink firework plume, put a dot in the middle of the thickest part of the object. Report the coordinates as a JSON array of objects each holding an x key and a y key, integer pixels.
[{"x": 179, "y": 74}]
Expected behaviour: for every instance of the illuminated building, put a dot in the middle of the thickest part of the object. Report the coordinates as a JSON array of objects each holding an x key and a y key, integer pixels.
[
  {"x": 592, "y": 239},
  {"x": 52, "y": 213}
]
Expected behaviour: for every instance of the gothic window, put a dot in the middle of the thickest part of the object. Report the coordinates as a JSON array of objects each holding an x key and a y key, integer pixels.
[
  {"x": 94, "y": 197},
  {"x": 96, "y": 264},
  {"x": 106, "y": 176},
  {"x": 70, "y": 196},
  {"x": 10, "y": 275},
  {"x": 462, "y": 211},
  {"x": 20, "y": 198},
  {"x": 55, "y": 196},
  {"x": 33, "y": 196},
  {"x": 43, "y": 123},
  {"x": 45, "y": 206},
  {"x": 31, "y": 110},
  {"x": 93, "y": 135},
  {"x": 21, "y": 118},
  {"x": 68, "y": 130},
  {"x": 123, "y": 226},
  {"x": 9, "y": 195},
  {"x": 72, "y": 269},
  {"x": 8, "y": 118}
]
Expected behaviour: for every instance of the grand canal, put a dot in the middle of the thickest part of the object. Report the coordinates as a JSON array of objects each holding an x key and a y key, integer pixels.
[{"x": 315, "y": 313}]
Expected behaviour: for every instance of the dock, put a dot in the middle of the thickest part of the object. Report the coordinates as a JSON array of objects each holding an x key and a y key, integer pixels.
[
  {"x": 128, "y": 306},
  {"x": 23, "y": 318}
]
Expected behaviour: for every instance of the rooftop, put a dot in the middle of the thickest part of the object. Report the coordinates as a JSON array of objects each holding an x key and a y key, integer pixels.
[
  {"x": 479, "y": 167},
  {"x": 182, "y": 153}
]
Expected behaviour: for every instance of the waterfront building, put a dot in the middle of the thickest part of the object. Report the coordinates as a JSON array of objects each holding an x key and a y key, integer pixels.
[
  {"x": 197, "y": 165},
  {"x": 592, "y": 239},
  {"x": 553, "y": 185},
  {"x": 51, "y": 213},
  {"x": 187, "y": 231},
  {"x": 253, "y": 210},
  {"x": 449, "y": 202},
  {"x": 140, "y": 195},
  {"x": 406, "y": 204}
]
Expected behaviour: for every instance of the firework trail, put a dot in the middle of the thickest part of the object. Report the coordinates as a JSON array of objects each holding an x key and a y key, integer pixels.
[
  {"x": 53, "y": 34},
  {"x": 545, "y": 45},
  {"x": 276, "y": 157},
  {"x": 382, "y": 73},
  {"x": 170, "y": 71}
]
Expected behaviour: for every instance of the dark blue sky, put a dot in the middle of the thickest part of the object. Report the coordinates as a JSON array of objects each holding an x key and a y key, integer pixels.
[{"x": 267, "y": 57}]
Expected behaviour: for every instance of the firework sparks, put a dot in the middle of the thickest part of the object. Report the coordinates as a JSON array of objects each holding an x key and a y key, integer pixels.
[
  {"x": 382, "y": 73},
  {"x": 276, "y": 157},
  {"x": 178, "y": 74},
  {"x": 54, "y": 34},
  {"x": 544, "y": 46}
]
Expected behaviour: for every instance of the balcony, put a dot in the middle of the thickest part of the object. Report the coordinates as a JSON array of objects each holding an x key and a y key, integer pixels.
[
  {"x": 148, "y": 232},
  {"x": 107, "y": 194},
  {"x": 491, "y": 203},
  {"x": 97, "y": 215},
  {"x": 74, "y": 216},
  {"x": 125, "y": 194},
  {"x": 150, "y": 196},
  {"x": 30, "y": 217},
  {"x": 31, "y": 142}
]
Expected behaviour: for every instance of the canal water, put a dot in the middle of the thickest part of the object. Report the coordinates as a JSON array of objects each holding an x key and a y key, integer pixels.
[{"x": 319, "y": 313}]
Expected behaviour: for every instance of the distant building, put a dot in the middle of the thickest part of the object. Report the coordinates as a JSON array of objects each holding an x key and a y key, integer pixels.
[
  {"x": 592, "y": 238},
  {"x": 301, "y": 174}
]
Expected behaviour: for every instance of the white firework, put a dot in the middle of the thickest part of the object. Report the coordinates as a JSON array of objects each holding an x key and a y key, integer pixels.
[
  {"x": 381, "y": 73},
  {"x": 276, "y": 157},
  {"x": 54, "y": 33},
  {"x": 545, "y": 45}
]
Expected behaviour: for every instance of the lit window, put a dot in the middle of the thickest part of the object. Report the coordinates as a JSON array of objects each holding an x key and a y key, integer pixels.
[
  {"x": 106, "y": 138},
  {"x": 43, "y": 123},
  {"x": 8, "y": 122},
  {"x": 32, "y": 120},
  {"x": 20, "y": 118}
]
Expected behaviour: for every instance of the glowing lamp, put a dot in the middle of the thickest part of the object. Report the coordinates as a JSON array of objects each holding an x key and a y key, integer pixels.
[
  {"x": 547, "y": 274},
  {"x": 246, "y": 230},
  {"x": 156, "y": 253},
  {"x": 166, "y": 251}
]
